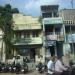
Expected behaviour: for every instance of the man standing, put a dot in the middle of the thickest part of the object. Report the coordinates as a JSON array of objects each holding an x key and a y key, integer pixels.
[{"x": 50, "y": 65}]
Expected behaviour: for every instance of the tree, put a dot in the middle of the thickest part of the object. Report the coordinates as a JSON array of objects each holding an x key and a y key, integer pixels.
[
  {"x": 15, "y": 10},
  {"x": 40, "y": 19},
  {"x": 6, "y": 26}
]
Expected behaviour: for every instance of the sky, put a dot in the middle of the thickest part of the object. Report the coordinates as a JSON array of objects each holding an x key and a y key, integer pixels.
[{"x": 32, "y": 7}]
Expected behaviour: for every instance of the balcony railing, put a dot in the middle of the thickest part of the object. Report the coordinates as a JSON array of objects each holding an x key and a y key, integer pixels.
[
  {"x": 27, "y": 27},
  {"x": 54, "y": 36},
  {"x": 54, "y": 20},
  {"x": 27, "y": 41},
  {"x": 53, "y": 33}
]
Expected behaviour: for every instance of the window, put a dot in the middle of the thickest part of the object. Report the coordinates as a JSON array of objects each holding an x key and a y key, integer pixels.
[
  {"x": 27, "y": 35},
  {"x": 35, "y": 34},
  {"x": 24, "y": 51},
  {"x": 18, "y": 35},
  {"x": 55, "y": 14}
]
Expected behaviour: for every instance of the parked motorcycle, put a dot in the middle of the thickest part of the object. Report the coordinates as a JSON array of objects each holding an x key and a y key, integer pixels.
[
  {"x": 8, "y": 67},
  {"x": 40, "y": 67},
  {"x": 13, "y": 68},
  {"x": 18, "y": 68},
  {"x": 24, "y": 68}
]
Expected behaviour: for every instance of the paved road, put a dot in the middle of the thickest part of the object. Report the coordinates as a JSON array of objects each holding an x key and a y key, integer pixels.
[{"x": 31, "y": 73}]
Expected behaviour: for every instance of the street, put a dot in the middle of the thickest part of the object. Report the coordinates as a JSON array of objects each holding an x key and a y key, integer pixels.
[{"x": 30, "y": 73}]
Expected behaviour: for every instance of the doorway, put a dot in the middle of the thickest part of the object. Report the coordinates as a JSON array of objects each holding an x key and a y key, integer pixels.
[
  {"x": 32, "y": 54},
  {"x": 52, "y": 50}
]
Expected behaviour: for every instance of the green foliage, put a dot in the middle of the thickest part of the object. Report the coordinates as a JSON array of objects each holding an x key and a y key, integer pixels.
[
  {"x": 6, "y": 25},
  {"x": 15, "y": 10},
  {"x": 40, "y": 19}
]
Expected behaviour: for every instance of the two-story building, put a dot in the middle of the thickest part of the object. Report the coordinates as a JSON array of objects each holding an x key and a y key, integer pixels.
[
  {"x": 52, "y": 31},
  {"x": 27, "y": 39}
]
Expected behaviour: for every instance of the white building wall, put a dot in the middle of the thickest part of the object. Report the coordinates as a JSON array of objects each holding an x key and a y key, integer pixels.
[{"x": 2, "y": 47}]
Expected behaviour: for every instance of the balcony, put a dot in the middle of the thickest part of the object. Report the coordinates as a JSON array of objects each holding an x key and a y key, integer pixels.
[
  {"x": 54, "y": 36},
  {"x": 55, "y": 20},
  {"x": 27, "y": 41},
  {"x": 27, "y": 27},
  {"x": 70, "y": 38}
]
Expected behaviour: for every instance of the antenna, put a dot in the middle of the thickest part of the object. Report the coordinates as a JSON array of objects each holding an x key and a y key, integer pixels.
[{"x": 72, "y": 3}]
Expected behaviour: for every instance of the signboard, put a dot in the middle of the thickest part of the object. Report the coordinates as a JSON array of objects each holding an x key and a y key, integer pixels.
[
  {"x": 50, "y": 43},
  {"x": 57, "y": 20}
]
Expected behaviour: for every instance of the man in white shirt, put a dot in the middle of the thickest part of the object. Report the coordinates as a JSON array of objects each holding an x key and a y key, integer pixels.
[
  {"x": 59, "y": 67},
  {"x": 50, "y": 66}
]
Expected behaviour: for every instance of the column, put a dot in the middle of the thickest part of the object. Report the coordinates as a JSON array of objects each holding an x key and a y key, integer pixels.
[
  {"x": 55, "y": 49},
  {"x": 72, "y": 41},
  {"x": 22, "y": 35},
  {"x": 15, "y": 53},
  {"x": 54, "y": 30},
  {"x": 43, "y": 48},
  {"x": 4, "y": 53},
  {"x": 64, "y": 34},
  {"x": 52, "y": 14}
]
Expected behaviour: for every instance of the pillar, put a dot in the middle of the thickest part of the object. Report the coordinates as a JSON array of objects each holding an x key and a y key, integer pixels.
[
  {"x": 15, "y": 53},
  {"x": 4, "y": 54},
  {"x": 44, "y": 43}
]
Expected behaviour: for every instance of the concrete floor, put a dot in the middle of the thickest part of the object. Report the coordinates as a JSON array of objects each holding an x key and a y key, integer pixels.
[{"x": 30, "y": 73}]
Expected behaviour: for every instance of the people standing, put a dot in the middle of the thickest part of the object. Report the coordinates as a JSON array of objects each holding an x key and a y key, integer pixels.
[{"x": 25, "y": 60}]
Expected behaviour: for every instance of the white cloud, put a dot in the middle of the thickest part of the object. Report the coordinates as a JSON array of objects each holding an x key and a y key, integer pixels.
[{"x": 34, "y": 5}]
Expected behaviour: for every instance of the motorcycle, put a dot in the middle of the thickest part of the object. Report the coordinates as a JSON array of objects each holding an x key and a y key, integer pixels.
[
  {"x": 4, "y": 68},
  {"x": 40, "y": 67},
  {"x": 18, "y": 68},
  {"x": 0, "y": 67},
  {"x": 24, "y": 68},
  {"x": 8, "y": 68},
  {"x": 13, "y": 68}
]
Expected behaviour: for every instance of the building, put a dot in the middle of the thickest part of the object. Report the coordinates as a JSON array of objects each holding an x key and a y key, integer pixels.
[
  {"x": 27, "y": 39},
  {"x": 68, "y": 16},
  {"x": 2, "y": 47},
  {"x": 52, "y": 31}
]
